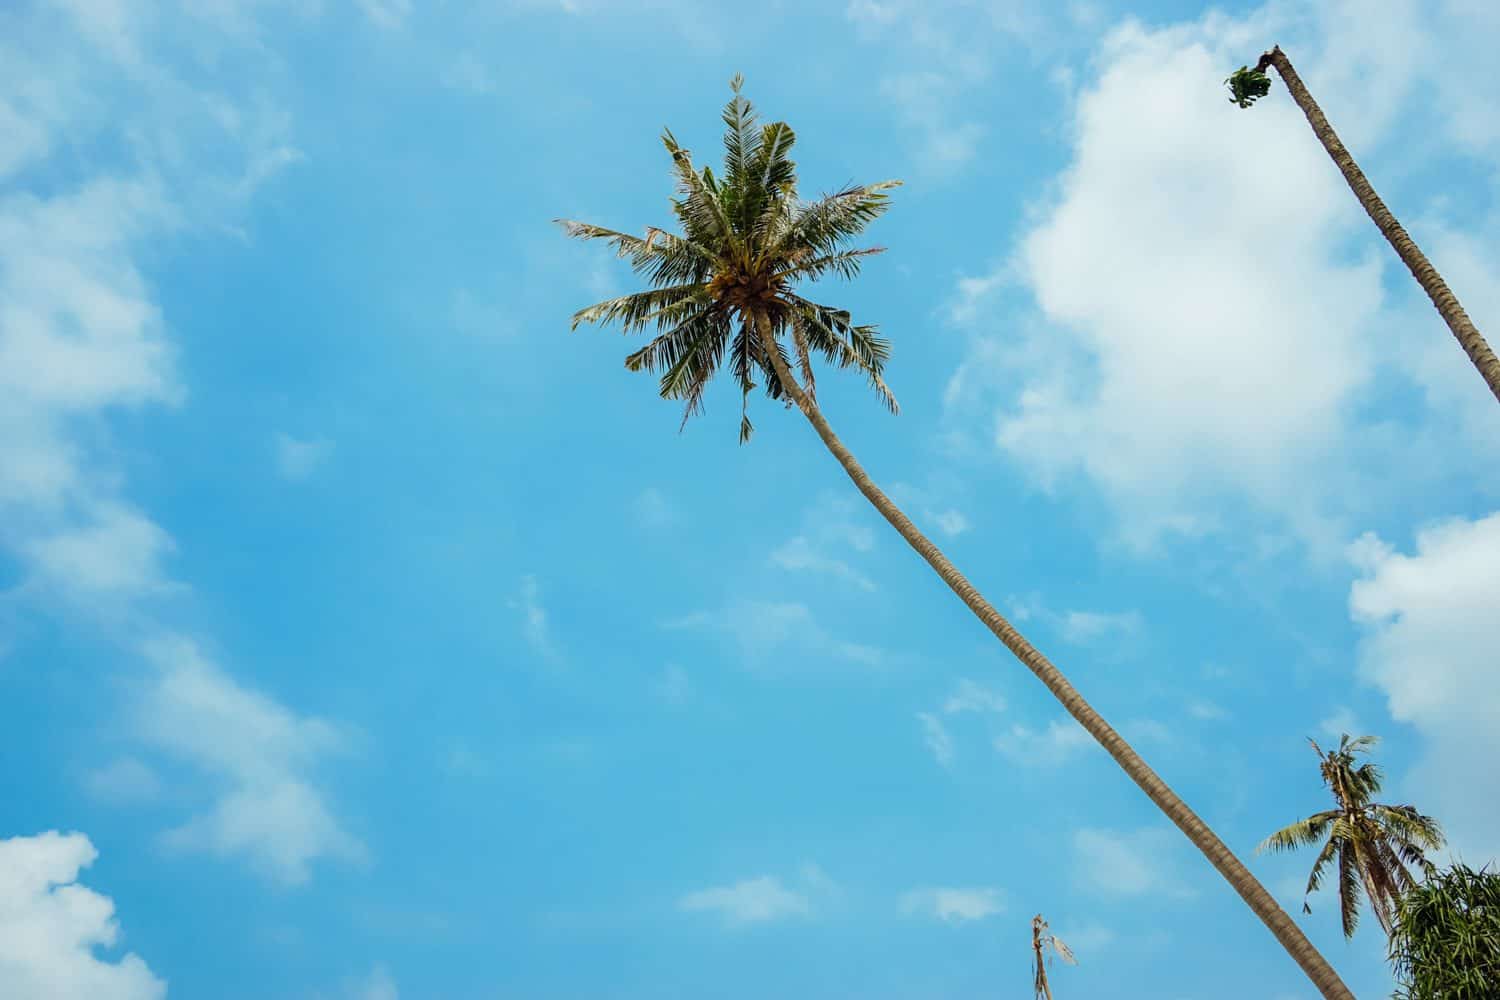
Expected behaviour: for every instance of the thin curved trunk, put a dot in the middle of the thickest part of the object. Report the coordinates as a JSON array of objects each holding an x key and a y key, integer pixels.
[
  {"x": 1468, "y": 336},
  {"x": 1234, "y": 871}
]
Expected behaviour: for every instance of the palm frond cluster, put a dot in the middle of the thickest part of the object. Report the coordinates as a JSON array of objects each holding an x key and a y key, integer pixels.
[
  {"x": 725, "y": 285},
  {"x": 1371, "y": 845}
]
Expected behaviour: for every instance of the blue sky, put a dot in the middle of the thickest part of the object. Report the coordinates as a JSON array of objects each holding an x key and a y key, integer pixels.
[{"x": 364, "y": 634}]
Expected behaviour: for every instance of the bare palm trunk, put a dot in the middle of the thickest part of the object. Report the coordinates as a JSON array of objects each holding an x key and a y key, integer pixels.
[
  {"x": 1234, "y": 871},
  {"x": 1421, "y": 268},
  {"x": 1041, "y": 986}
]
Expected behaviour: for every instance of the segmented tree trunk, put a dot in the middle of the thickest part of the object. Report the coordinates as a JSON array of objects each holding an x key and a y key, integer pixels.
[
  {"x": 1221, "y": 857},
  {"x": 1468, "y": 336}
]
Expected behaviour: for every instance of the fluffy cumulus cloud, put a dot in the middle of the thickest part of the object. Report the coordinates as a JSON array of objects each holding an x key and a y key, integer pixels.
[
  {"x": 1429, "y": 619},
  {"x": 1210, "y": 313},
  {"x": 259, "y": 754},
  {"x": 52, "y": 928}
]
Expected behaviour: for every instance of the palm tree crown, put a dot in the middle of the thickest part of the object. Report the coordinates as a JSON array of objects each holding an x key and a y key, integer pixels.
[
  {"x": 746, "y": 241},
  {"x": 1371, "y": 843}
]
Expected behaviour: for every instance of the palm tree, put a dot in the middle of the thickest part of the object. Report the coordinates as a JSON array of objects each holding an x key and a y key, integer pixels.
[
  {"x": 1246, "y": 85},
  {"x": 727, "y": 285},
  {"x": 1446, "y": 940},
  {"x": 1041, "y": 936},
  {"x": 1370, "y": 842}
]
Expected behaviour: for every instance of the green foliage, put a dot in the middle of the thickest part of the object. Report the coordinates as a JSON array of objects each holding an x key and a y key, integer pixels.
[
  {"x": 746, "y": 240},
  {"x": 1246, "y": 84},
  {"x": 1446, "y": 941},
  {"x": 1370, "y": 844}
]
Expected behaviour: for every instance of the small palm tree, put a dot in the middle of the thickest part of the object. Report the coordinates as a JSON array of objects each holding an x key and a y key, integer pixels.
[
  {"x": 1042, "y": 937},
  {"x": 1371, "y": 843},
  {"x": 725, "y": 293},
  {"x": 1245, "y": 85},
  {"x": 1446, "y": 940}
]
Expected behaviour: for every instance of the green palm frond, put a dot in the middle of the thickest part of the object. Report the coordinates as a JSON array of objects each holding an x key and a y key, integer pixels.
[
  {"x": 1303, "y": 833},
  {"x": 1315, "y": 877},
  {"x": 826, "y": 223},
  {"x": 1409, "y": 825},
  {"x": 633, "y": 312},
  {"x": 665, "y": 350},
  {"x": 745, "y": 244},
  {"x": 1350, "y": 890},
  {"x": 1246, "y": 85},
  {"x": 845, "y": 264}
]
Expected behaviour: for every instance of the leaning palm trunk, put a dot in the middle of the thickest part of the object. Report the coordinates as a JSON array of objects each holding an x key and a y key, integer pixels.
[
  {"x": 1468, "y": 336},
  {"x": 1234, "y": 871}
]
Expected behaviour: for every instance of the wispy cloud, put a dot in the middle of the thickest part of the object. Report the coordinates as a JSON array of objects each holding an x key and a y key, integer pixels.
[
  {"x": 386, "y": 14},
  {"x": 937, "y": 738},
  {"x": 51, "y": 926},
  {"x": 534, "y": 624},
  {"x": 829, "y": 526},
  {"x": 1129, "y": 863},
  {"x": 954, "y": 906},
  {"x": 260, "y": 754},
  {"x": 752, "y": 901},
  {"x": 297, "y": 459},
  {"x": 971, "y": 696},
  {"x": 124, "y": 781},
  {"x": 948, "y": 519},
  {"x": 760, "y": 628}
]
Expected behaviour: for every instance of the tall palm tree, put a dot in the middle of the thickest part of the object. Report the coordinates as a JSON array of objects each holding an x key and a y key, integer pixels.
[
  {"x": 1042, "y": 937},
  {"x": 727, "y": 285},
  {"x": 1371, "y": 843},
  {"x": 1246, "y": 85}
]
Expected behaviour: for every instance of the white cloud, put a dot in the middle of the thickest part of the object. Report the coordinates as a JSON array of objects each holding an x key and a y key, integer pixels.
[
  {"x": 50, "y": 927},
  {"x": 259, "y": 753},
  {"x": 534, "y": 623},
  {"x": 753, "y": 901},
  {"x": 760, "y": 628},
  {"x": 949, "y": 520},
  {"x": 1075, "y": 625},
  {"x": 923, "y": 100},
  {"x": 970, "y": 696},
  {"x": 114, "y": 552},
  {"x": 123, "y": 781},
  {"x": 937, "y": 738},
  {"x": 954, "y": 906},
  {"x": 1161, "y": 407},
  {"x": 799, "y": 554},
  {"x": 378, "y": 985},
  {"x": 1338, "y": 723},
  {"x": 1058, "y": 743},
  {"x": 1200, "y": 708},
  {"x": 1129, "y": 863},
  {"x": 1090, "y": 626},
  {"x": 386, "y": 14},
  {"x": 1429, "y": 621},
  {"x": 1085, "y": 939},
  {"x": 831, "y": 523},
  {"x": 297, "y": 459}
]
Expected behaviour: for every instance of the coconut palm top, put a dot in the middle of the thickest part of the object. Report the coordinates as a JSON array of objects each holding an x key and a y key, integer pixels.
[{"x": 727, "y": 282}]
